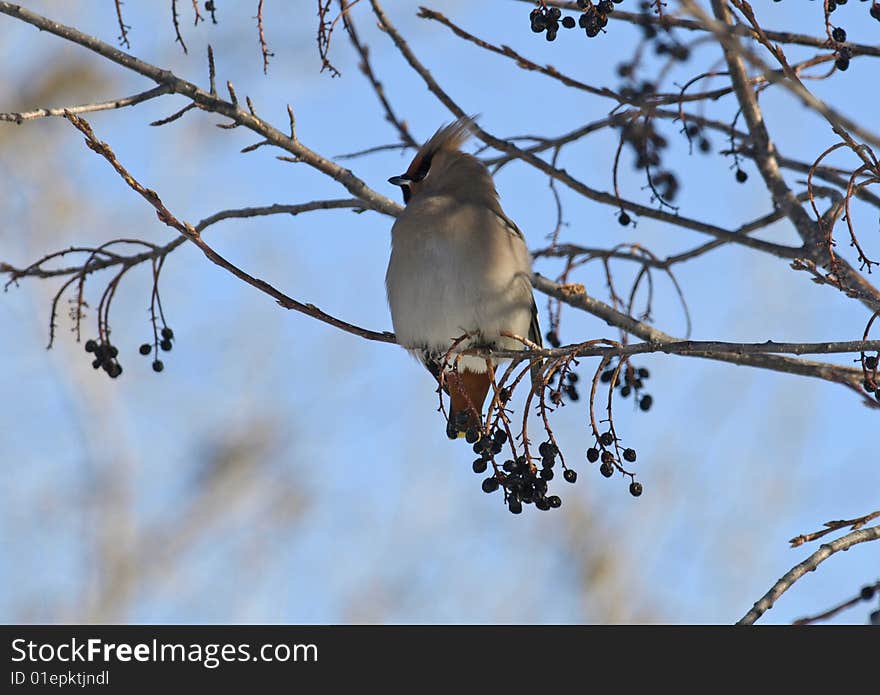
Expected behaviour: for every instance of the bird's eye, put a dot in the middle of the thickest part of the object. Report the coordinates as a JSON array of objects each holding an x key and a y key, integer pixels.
[{"x": 422, "y": 171}]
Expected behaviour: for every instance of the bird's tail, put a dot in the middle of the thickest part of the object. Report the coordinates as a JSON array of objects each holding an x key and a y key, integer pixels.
[{"x": 467, "y": 391}]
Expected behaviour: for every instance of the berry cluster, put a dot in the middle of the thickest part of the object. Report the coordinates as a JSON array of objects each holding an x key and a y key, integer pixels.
[
  {"x": 838, "y": 34},
  {"x": 601, "y": 451},
  {"x": 694, "y": 131},
  {"x": 522, "y": 482},
  {"x": 843, "y": 53},
  {"x": 565, "y": 379},
  {"x": 520, "y": 479},
  {"x": 105, "y": 357},
  {"x": 874, "y": 11},
  {"x": 165, "y": 345},
  {"x": 872, "y": 382},
  {"x": 563, "y": 384},
  {"x": 647, "y": 145},
  {"x": 593, "y": 18},
  {"x": 633, "y": 382},
  {"x": 547, "y": 19},
  {"x": 569, "y": 388}
]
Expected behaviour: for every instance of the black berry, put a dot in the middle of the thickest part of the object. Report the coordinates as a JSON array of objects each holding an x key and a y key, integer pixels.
[
  {"x": 570, "y": 476},
  {"x": 629, "y": 455},
  {"x": 167, "y": 333},
  {"x": 158, "y": 366},
  {"x": 606, "y": 439},
  {"x": 635, "y": 489},
  {"x": 165, "y": 345},
  {"x": 623, "y": 219},
  {"x": 592, "y": 455},
  {"x": 741, "y": 176},
  {"x": 554, "y": 501},
  {"x": 568, "y": 22},
  {"x": 606, "y": 469},
  {"x": 91, "y": 345},
  {"x": 839, "y": 34},
  {"x": 145, "y": 349},
  {"x": 490, "y": 484}
]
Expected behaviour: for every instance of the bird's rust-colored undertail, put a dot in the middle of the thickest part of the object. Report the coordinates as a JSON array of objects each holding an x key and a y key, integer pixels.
[{"x": 467, "y": 391}]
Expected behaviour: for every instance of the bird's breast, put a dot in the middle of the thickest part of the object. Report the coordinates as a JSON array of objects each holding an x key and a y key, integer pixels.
[{"x": 445, "y": 280}]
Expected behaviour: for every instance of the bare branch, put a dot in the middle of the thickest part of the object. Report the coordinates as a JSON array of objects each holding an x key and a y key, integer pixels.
[
  {"x": 194, "y": 236},
  {"x": 23, "y": 116},
  {"x": 825, "y": 551},
  {"x": 831, "y": 526},
  {"x": 211, "y": 102}
]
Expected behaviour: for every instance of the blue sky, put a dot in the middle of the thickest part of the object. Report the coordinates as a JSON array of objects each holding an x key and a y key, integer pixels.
[{"x": 362, "y": 510}]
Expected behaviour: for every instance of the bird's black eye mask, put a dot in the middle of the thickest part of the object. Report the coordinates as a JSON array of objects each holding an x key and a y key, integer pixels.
[
  {"x": 407, "y": 181},
  {"x": 424, "y": 166}
]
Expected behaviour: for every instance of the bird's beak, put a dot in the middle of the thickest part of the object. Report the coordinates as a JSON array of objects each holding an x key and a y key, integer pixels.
[{"x": 401, "y": 180}]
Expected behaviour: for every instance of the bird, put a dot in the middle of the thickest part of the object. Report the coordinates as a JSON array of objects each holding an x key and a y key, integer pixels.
[{"x": 458, "y": 266}]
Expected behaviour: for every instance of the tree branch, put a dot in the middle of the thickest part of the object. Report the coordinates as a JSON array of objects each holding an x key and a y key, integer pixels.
[
  {"x": 211, "y": 102},
  {"x": 765, "y": 158},
  {"x": 190, "y": 233},
  {"x": 825, "y": 551},
  {"x": 22, "y": 116}
]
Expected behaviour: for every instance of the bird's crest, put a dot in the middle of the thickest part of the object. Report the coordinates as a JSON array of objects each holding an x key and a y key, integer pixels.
[{"x": 449, "y": 137}]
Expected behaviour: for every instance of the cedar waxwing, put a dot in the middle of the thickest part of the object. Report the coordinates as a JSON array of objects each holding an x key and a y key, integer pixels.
[{"x": 458, "y": 265}]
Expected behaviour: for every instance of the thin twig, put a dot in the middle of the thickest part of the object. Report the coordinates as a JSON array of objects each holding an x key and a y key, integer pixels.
[{"x": 825, "y": 551}]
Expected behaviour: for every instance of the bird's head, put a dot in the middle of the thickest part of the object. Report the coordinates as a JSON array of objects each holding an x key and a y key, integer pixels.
[{"x": 440, "y": 165}]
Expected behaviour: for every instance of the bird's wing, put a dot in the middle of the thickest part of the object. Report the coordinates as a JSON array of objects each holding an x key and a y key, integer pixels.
[
  {"x": 534, "y": 326},
  {"x": 510, "y": 226},
  {"x": 433, "y": 366},
  {"x": 508, "y": 223}
]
